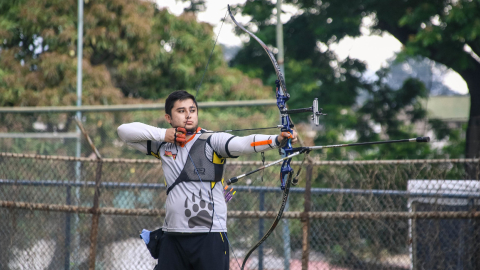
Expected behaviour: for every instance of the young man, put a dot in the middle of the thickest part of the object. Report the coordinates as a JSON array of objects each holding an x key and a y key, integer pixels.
[{"x": 196, "y": 213}]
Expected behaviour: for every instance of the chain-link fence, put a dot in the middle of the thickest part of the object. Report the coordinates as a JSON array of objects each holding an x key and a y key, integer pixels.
[{"x": 411, "y": 214}]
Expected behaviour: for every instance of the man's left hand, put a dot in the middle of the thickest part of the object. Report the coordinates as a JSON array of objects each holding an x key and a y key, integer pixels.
[{"x": 287, "y": 135}]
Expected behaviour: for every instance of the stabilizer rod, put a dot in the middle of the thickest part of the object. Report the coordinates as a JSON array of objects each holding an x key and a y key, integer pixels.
[
  {"x": 299, "y": 150},
  {"x": 418, "y": 139}
]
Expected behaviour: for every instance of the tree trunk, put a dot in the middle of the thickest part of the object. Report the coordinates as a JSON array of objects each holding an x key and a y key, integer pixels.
[{"x": 472, "y": 146}]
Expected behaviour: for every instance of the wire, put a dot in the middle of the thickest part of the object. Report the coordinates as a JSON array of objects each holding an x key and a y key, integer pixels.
[{"x": 210, "y": 57}]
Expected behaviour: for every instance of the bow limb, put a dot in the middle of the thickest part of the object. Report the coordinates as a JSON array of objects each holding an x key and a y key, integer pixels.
[
  {"x": 277, "y": 219},
  {"x": 267, "y": 50},
  {"x": 282, "y": 97},
  {"x": 282, "y": 94}
]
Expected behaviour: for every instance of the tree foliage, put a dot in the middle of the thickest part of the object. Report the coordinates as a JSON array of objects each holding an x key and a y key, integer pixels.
[
  {"x": 353, "y": 104},
  {"x": 128, "y": 45},
  {"x": 372, "y": 109},
  {"x": 132, "y": 53},
  {"x": 446, "y": 32}
]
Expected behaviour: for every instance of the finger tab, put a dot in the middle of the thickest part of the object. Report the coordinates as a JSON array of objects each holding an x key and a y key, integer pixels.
[{"x": 287, "y": 135}]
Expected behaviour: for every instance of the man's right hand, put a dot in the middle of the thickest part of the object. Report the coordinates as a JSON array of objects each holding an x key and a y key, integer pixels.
[{"x": 176, "y": 135}]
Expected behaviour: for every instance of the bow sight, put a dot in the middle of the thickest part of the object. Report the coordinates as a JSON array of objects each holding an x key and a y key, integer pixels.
[
  {"x": 282, "y": 99},
  {"x": 314, "y": 109}
]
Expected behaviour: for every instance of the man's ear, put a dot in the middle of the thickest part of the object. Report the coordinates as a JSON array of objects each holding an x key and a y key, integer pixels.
[{"x": 168, "y": 118}]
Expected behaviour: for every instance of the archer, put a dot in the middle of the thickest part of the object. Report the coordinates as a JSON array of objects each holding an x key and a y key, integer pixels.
[{"x": 194, "y": 233}]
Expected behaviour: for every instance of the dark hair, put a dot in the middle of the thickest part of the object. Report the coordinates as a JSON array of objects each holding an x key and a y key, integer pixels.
[{"x": 177, "y": 95}]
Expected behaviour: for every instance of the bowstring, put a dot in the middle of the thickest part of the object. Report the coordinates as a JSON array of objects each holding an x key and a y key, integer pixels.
[
  {"x": 195, "y": 167},
  {"x": 210, "y": 57}
]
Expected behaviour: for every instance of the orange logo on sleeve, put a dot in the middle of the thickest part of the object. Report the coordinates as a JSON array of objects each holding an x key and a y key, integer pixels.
[{"x": 169, "y": 154}]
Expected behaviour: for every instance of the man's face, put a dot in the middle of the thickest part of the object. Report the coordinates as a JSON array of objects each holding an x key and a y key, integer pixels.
[{"x": 184, "y": 114}]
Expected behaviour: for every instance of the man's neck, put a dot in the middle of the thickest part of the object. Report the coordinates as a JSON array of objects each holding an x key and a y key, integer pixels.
[{"x": 191, "y": 133}]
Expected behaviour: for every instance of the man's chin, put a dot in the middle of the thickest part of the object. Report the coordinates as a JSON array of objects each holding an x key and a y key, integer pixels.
[{"x": 191, "y": 131}]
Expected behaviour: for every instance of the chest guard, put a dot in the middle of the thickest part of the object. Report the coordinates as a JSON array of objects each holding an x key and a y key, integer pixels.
[{"x": 201, "y": 169}]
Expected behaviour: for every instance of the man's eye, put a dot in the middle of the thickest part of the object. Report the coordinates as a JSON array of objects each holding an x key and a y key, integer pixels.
[{"x": 181, "y": 111}]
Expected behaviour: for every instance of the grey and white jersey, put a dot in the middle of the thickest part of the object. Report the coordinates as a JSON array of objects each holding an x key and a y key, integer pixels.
[{"x": 191, "y": 206}]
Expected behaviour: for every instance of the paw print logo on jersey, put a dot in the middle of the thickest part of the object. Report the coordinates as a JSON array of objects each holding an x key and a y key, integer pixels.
[{"x": 200, "y": 214}]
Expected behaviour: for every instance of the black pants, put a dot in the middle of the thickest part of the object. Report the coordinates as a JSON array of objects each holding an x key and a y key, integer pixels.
[{"x": 198, "y": 251}]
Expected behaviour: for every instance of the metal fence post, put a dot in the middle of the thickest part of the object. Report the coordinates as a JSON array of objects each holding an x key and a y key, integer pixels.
[
  {"x": 286, "y": 241},
  {"x": 305, "y": 219},
  {"x": 67, "y": 229},
  {"x": 94, "y": 211},
  {"x": 261, "y": 207},
  {"x": 95, "y": 217}
]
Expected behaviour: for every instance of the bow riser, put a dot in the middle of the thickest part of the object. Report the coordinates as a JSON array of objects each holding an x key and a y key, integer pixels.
[{"x": 282, "y": 99}]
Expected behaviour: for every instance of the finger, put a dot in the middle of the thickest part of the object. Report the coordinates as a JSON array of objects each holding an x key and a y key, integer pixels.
[
  {"x": 181, "y": 130},
  {"x": 286, "y": 134},
  {"x": 180, "y": 138}
]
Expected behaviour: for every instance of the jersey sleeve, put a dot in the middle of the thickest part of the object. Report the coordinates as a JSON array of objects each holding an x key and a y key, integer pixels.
[
  {"x": 138, "y": 135},
  {"x": 231, "y": 146}
]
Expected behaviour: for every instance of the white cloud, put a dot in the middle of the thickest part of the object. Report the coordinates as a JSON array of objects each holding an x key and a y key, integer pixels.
[
  {"x": 453, "y": 80},
  {"x": 374, "y": 50},
  {"x": 174, "y": 6},
  {"x": 214, "y": 13}
]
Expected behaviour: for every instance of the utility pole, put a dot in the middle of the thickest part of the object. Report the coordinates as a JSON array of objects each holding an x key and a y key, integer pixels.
[
  {"x": 280, "y": 60},
  {"x": 78, "y": 149}
]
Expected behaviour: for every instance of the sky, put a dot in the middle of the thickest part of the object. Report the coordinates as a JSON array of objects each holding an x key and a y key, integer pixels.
[{"x": 374, "y": 50}]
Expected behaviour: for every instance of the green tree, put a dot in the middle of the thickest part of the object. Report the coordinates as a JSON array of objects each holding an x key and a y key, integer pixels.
[
  {"x": 447, "y": 32},
  {"x": 312, "y": 70},
  {"x": 132, "y": 53},
  {"x": 128, "y": 45}
]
